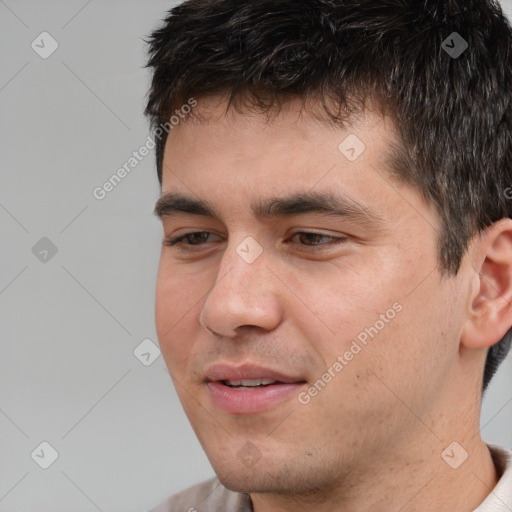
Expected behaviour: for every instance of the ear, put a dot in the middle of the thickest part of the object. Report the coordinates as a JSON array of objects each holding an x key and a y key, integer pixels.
[{"x": 490, "y": 314}]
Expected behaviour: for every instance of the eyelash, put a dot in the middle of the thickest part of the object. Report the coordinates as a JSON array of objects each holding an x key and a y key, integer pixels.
[{"x": 177, "y": 242}]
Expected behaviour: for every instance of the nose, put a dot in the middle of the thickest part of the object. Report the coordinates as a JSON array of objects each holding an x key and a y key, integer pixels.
[{"x": 244, "y": 294}]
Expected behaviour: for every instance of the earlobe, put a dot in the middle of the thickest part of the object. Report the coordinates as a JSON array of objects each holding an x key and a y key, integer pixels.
[{"x": 490, "y": 309}]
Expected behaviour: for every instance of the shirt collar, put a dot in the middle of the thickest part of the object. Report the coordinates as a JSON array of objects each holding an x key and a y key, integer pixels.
[{"x": 500, "y": 498}]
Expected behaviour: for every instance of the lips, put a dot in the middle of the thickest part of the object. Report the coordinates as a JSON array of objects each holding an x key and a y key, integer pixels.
[
  {"x": 225, "y": 372},
  {"x": 249, "y": 389}
]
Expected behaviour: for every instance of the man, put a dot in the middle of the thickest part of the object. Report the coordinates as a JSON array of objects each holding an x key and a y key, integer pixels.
[{"x": 334, "y": 288}]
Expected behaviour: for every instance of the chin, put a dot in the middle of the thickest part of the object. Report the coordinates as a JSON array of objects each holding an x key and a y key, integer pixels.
[{"x": 248, "y": 480}]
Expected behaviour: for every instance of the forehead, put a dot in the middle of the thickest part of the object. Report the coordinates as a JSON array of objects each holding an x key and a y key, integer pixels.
[
  {"x": 299, "y": 135},
  {"x": 243, "y": 161}
]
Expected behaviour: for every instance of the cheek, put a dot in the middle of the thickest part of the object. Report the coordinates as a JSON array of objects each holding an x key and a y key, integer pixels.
[
  {"x": 415, "y": 353},
  {"x": 166, "y": 303},
  {"x": 371, "y": 316},
  {"x": 343, "y": 306},
  {"x": 177, "y": 300}
]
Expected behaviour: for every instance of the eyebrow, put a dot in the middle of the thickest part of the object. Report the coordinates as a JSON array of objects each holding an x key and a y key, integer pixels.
[{"x": 328, "y": 204}]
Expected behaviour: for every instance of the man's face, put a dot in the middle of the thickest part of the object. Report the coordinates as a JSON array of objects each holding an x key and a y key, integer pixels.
[{"x": 360, "y": 324}]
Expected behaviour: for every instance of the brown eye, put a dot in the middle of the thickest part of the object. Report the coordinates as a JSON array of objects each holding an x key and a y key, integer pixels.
[
  {"x": 315, "y": 239},
  {"x": 191, "y": 238}
]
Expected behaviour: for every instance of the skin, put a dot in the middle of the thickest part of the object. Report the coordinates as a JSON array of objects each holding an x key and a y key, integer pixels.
[{"x": 372, "y": 439}]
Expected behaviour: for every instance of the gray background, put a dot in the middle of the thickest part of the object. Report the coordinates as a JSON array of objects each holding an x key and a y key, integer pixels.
[{"x": 70, "y": 323}]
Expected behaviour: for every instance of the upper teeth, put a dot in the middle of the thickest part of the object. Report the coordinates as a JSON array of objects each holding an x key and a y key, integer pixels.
[{"x": 249, "y": 382}]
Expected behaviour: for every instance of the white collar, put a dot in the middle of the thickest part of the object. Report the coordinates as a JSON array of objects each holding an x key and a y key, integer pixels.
[{"x": 500, "y": 498}]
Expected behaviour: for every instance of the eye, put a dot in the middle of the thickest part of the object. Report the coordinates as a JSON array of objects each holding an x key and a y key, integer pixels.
[
  {"x": 316, "y": 238},
  {"x": 199, "y": 238},
  {"x": 179, "y": 241}
]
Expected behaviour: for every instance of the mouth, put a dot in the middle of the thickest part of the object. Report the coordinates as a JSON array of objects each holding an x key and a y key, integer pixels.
[
  {"x": 250, "y": 383},
  {"x": 249, "y": 389}
]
